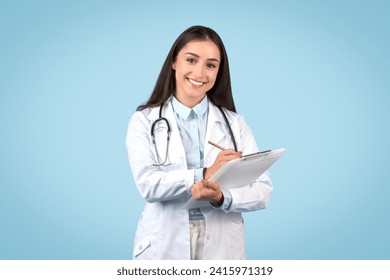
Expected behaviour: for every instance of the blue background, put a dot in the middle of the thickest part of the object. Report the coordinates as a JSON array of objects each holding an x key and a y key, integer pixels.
[{"x": 312, "y": 76}]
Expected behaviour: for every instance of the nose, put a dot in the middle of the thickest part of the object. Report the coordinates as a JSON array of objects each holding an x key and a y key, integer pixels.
[{"x": 199, "y": 71}]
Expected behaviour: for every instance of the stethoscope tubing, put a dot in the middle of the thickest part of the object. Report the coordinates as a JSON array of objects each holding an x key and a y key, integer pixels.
[{"x": 163, "y": 119}]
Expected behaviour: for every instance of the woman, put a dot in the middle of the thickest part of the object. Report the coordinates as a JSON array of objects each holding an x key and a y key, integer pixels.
[{"x": 183, "y": 107}]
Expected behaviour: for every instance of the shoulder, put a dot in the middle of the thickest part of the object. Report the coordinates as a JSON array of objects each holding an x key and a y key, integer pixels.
[
  {"x": 140, "y": 118},
  {"x": 144, "y": 113},
  {"x": 231, "y": 114}
]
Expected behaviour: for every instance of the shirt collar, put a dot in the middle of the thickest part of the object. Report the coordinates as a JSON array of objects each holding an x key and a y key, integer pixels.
[{"x": 184, "y": 112}]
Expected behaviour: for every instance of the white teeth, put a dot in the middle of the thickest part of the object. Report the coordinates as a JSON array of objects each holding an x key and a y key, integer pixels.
[{"x": 195, "y": 82}]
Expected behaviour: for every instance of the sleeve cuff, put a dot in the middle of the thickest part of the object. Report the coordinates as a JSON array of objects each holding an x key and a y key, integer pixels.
[{"x": 227, "y": 200}]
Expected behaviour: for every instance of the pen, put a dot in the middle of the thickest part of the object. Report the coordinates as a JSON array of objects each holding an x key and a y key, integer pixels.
[
  {"x": 222, "y": 148},
  {"x": 216, "y": 145}
]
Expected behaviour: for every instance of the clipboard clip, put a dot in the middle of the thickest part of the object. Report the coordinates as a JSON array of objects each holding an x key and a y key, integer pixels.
[{"x": 257, "y": 153}]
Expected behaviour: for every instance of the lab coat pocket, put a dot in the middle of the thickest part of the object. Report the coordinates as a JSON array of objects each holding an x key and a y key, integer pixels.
[
  {"x": 236, "y": 232},
  {"x": 141, "y": 246}
]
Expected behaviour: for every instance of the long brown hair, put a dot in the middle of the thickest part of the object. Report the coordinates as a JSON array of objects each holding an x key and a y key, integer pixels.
[{"x": 220, "y": 94}]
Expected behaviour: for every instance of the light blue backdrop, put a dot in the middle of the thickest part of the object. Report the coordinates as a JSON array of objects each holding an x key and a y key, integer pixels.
[{"x": 312, "y": 76}]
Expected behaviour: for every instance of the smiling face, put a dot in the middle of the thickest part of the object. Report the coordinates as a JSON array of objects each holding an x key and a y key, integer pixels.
[{"x": 196, "y": 68}]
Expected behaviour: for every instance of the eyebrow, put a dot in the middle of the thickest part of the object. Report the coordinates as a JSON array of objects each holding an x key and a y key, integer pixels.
[{"x": 197, "y": 56}]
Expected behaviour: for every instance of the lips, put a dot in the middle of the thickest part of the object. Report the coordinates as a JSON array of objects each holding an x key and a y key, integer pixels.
[{"x": 195, "y": 83}]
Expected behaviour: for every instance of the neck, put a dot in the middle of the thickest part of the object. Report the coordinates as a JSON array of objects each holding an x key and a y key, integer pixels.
[{"x": 190, "y": 102}]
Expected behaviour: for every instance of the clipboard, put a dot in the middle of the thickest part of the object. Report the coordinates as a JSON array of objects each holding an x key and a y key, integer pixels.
[{"x": 240, "y": 172}]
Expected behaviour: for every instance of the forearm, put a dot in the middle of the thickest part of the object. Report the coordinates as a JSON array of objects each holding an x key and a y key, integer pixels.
[
  {"x": 163, "y": 186},
  {"x": 252, "y": 197}
]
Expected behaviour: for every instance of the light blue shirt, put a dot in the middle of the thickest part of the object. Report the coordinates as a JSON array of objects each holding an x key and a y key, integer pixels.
[{"x": 192, "y": 124}]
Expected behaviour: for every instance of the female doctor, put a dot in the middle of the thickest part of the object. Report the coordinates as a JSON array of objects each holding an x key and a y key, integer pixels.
[{"x": 171, "y": 161}]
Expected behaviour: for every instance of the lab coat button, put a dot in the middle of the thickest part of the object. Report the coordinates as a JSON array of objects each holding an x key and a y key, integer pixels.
[{"x": 208, "y": 237}]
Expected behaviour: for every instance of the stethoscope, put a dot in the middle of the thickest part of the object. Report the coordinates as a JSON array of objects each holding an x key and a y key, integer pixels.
[{"x": 164, "y": 120}]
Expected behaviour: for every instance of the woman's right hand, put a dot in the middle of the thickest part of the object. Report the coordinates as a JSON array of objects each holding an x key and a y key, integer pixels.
[{"x": 222, "y": 158}]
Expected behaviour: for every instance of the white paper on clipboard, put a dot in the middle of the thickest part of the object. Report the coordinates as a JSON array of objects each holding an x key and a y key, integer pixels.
[{"x": 240, "y": 172}]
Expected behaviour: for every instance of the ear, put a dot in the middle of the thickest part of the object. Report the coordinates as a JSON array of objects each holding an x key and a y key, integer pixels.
[{"x": 174, "y": 66}]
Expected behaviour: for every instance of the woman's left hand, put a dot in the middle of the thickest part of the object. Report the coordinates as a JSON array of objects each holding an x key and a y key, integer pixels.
[{"x": 207, "y": 190}]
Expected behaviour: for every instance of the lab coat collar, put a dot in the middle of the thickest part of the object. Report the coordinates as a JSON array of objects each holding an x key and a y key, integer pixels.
[
  {"x": 154, "y": 113},
  {"x": 216, "y": 128},
  {"x": 216, "y": 116}
]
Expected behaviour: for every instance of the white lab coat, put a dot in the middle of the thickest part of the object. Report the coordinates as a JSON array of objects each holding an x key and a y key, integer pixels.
[{"x": 163, "y": 228}]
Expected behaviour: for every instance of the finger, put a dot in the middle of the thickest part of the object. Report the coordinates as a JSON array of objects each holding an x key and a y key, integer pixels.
[
  {"x": 199, "y": 194},
  {"x": 195, "y": 193},
  {"x": 213, "y": 186},
  {"x": 229, "y": 158},
  {"x": 213, "y": 192},
  {"x": 230, "y": 152},
  {"x": 200, "y": 191},
  {"x": 227, "y": 152}
]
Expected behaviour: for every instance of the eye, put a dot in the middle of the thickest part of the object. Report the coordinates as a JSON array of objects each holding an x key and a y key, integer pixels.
[
  {"x": 191, "y": 60},
  {"x": 210, "y": 65}
]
